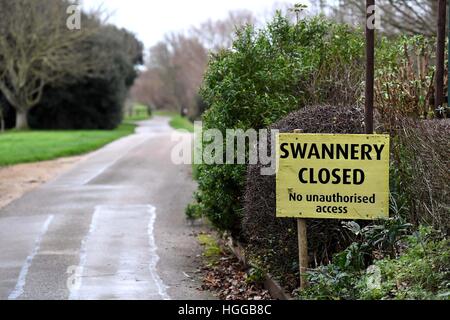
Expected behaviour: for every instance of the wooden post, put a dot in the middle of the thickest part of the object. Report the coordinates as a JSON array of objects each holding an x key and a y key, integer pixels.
[
  {"x": 302, "y": 252},
  {"x": 303, "y": 259},
  {"x": 370, "y": 69},
  {"x": 440, "y": 53}
]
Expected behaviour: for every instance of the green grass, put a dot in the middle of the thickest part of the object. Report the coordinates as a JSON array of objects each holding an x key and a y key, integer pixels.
[
  {"x": 211, "y": 249},
  {"x": 163, "y": 113},
  {"x": 179, "y": 122},
  {"x": 176, "y": 120},
  {"x": 140, "y": 113},
  {"x": 32, "y": 146}
]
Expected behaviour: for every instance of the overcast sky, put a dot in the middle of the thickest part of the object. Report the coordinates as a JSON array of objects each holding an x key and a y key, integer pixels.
[{"x": 150, "y": 20}]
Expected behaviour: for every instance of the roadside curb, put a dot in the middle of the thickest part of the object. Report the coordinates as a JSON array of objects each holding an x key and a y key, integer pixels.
[{"x": 276, "y": 291}]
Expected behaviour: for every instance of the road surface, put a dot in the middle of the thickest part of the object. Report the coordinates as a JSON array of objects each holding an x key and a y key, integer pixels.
[{"x": 113, "y": 227}]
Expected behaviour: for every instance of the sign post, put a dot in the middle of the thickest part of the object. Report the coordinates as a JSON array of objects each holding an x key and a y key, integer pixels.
[
  {"x": 330, "y": 176},
  {"x": 303, "y": 258},
  {"x": 302, "y": 252},
  {"x": 440, "y": 53},
  {"x": 370, "y": 65}
]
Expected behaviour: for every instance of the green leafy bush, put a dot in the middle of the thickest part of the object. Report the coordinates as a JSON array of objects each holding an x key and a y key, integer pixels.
[
  {"x": 405, "y": 74},
  {"x": 267, "y": 74},
  {"x": 193, "y": 212},
  {"x": 421, "y": 271}
]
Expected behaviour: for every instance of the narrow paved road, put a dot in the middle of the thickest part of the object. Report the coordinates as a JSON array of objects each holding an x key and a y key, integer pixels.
[{"x": 111, "y": 228}]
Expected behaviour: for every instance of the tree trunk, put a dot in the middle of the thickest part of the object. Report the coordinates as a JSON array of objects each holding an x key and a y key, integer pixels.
[
  {"x": 22, "y": 120},
  {"x": 2, "y": 121}
]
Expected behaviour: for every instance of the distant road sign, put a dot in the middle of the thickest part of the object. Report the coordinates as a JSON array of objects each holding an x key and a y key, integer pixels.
[{"x": 327, "y": 176}]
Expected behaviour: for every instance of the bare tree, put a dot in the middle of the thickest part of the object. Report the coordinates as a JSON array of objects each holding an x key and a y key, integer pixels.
[
  {"x": 216, "y": 35},
  {"x": 37, "y": 49},
  {"x": 165, "y": 71},
  {"x": 174, "y": 74},
  {"x": 151, "y": 91},
  {"x": 177, "y": 64},
  {"x": 189, "y": 58},
  {"x": 397, "y": 16}
]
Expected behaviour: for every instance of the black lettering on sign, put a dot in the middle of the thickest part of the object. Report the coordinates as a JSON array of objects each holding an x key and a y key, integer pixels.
[
  {"x": 379, "y": 149},
  {"x": 366, "y": 149},
  {"x": 301, "y": 175},
  {"x": 298, "y": 150},
  {"x": 331, "y": 209},
  {"x": 342, "y": 151},
  {"x": 355, "y": 152},
  {"x": 334, "y": 176},
  {"x": 358, "y": 177},
  {"x": 285, "y": 154},
  {"x": 331, "y": 151},
  {"x": 346, "y": 176},
  {"x": 314, "y": 152},
  {"x": 295, "y": 197},
  {"x": 324, "y": 176}
]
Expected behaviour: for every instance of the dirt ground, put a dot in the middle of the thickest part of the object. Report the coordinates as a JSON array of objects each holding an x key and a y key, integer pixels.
[{"x": 17, "y": 180}]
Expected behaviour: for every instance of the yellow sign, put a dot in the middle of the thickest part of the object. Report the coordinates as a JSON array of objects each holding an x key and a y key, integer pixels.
[{"x": 327, "y": 176}]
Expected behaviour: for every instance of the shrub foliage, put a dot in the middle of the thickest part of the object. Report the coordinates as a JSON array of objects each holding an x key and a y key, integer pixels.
[
  {"x": 421, "y": 271},
  {"x": 267, "y": 74},
  {"x": 421, "y": 179}
]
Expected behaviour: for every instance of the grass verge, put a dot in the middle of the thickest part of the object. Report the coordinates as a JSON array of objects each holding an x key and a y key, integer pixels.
[
  {"x": 32, "y": 146},
  {"x": 176, "y": 120},
  {"x": 211, "y": 249},
  {"x": 163, "y": 113},
  {"x": 139, "y": 113},
  {"x": 179, "y": 122}
]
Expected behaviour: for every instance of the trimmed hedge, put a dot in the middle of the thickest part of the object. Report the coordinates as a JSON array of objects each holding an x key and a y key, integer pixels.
[
  {"x": 272, "y": 240},
  {"x": 421, "y": 178}
]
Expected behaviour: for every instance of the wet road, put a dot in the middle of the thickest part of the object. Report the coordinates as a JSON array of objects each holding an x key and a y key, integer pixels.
[{"x": 111, "y": 228}]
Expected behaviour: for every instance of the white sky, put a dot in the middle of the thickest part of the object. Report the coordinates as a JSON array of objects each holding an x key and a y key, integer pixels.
[{"x": 150, "y": 20}]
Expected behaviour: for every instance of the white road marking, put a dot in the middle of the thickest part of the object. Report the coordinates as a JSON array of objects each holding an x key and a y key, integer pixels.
[
  {"x": 21, "y": 281},
  {"x": 83, "y": 254},
  {"x": 118, "y": 256},
  {"x": 154, "y": 258}
]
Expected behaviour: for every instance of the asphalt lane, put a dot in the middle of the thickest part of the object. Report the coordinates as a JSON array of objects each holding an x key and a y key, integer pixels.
[{"x": 111, "y": 228}]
